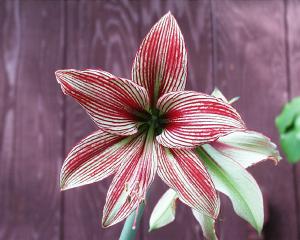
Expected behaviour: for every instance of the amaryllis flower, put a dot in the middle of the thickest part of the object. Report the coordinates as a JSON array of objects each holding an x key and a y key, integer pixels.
[{"x": 147, "y": 125}]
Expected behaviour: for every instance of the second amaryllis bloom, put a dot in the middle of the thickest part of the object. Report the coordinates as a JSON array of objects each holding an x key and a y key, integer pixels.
[{"x": 147, "y": 125}]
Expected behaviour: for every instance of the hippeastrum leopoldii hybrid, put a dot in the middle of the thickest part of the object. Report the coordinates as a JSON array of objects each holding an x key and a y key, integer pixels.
[{"x": 147, "y": 125}]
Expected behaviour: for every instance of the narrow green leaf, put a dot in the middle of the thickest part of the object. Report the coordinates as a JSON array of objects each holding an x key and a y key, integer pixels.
[
  {"x": 207, "y": 224},
  {"x": 233, "y": 100},
  {"x": 233, "y": 180},
  {"x": 164, "y": 211}
]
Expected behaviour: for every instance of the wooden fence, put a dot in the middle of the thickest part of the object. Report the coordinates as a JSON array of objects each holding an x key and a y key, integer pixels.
[{"x": 246, "y": 48}]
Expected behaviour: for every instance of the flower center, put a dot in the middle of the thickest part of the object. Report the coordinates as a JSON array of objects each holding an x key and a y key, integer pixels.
[{"x": 155, "y": 119}]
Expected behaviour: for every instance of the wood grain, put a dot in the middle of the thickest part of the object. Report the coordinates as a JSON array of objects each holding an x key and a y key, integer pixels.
[
  {"x": 31, "y": 112},
  {"x": 101, "y": 34},
  {"x": 293, "y": 48},
  {"x": 246, "y": 48},
  {"x": 194, "y": 20},
  {"x": 251, "y": 63}
]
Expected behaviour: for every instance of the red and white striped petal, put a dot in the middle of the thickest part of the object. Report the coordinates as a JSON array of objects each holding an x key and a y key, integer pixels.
[
  {"x": 111, "y": 102},
  {"x": 247, "y": 148},
  {"x": 130, "y": 184},
  {"x": 160, "y": 64},
  {"x": 182, "y": 170},
  {"x": 94, "y": 158},
  {"x": 194, "y": 118}
]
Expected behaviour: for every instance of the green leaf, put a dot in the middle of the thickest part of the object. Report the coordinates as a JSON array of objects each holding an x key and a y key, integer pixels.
[
  {"x": 233, "y": 180},
  {"x": 290, "y": 144},
  {"x": 164, "y": 211},
  {"x": 207, "y": 224},
  {"x": 290, "y": 112},
  {"x": 288, "y": 125}
]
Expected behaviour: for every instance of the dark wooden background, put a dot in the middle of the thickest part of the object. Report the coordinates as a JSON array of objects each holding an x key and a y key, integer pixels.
[{"x": 246, "y": 48}]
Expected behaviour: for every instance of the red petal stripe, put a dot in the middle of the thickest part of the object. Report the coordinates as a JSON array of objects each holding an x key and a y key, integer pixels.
[
  {"x": 131, "y": 182},
  {"x": 195, "y": 118},
  {"x": 110, "y": 101},
  {"x": 182, "y": 170},
  {"x": 161, "y": 62},
  {"x": 93, "y": 158}
]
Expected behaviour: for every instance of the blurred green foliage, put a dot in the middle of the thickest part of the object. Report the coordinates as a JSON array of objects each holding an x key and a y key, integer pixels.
[{"x": 288, "y": 125}]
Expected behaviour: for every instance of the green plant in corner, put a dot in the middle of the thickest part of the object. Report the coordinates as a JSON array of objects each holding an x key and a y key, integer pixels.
[{"x": 288, "y": 125}]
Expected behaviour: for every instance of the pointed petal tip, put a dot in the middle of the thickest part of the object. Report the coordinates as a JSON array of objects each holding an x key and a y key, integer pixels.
[
  {"x": 169, "y": 17},
  {"x": 151, "y": 229},
  {"x": 60, "y": 77},
  {"x": 63, "y": 187},
  {"x": 104, "y": 225},
  {"x": 59, "y": 74},
  {"x": 169, "y": 14}
]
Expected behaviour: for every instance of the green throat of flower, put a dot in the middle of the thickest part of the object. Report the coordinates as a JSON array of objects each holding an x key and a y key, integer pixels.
[{"x": 154, "y": 119}]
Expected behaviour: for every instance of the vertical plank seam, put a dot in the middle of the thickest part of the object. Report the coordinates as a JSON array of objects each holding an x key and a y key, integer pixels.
[
  {"x": 213, "y": 43},
  {"x": 214, "y": 58},
  {"x": 287, "y": 48},
  {"x": 63, "y": 121},
  {"x": 289, "y": 92}
]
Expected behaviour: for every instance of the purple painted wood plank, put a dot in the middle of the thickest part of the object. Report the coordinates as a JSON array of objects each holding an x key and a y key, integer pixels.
[
  {"x": 251, "y": 63},
  {"x": 194, "y": 20},
  {"x": 101, "y": 34},
  {"x": 293, "y": 31},
  {"x": 31, "y": 116}
]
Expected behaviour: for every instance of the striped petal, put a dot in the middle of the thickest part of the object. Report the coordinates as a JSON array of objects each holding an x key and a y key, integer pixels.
[
  {"x": 113, "y": 103},
  {"x": 247, "y": 148},
  {"x": 94, "y": 158},
  {"x": 160, "y": 65},
  {"x": 182, "y": 170},
  {"x": 194, "y": 118},
  {"x": 130, "y": 184}
]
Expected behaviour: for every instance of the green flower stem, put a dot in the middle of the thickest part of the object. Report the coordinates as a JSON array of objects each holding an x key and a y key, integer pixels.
[{"x": 128, "y": 233}]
